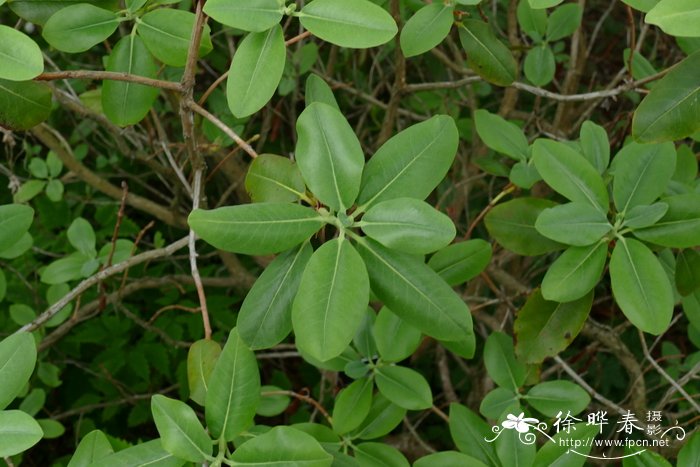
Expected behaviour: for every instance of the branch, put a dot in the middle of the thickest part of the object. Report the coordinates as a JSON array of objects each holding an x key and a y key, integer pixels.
[
  {"x": 223, "y": 127},
  {"x": 110, "y": 75}
]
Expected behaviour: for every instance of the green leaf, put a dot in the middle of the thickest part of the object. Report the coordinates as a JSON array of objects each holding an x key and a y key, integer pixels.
[
  {"x": 29, "y": 190},
  {"x": 52, "y": 429},
  {"x": 21, "y": 56},
  {"x": 3, "y": 285},
  {"x": 448, "y": 458},
  {"x": 539, "y": 64},
  {"x": 383, "y": 417},
  {"x": 644, "y": 458},
  {"x": 511, "y": 451},
  {"x": 329, "y": 156},
  {"x": 249, "y": 15},
  {"x": 670, "y": 111},
  {"x": 570, "y": 174},
  {"x": 331, "y": 301},
  {"x": 18, "y": 432},
  {"x": 379, "y": 455},
  {"x": 352, "y": 405},
  {"x": 495, "y": 403},
  {"x": 641, "y": 5},
  {"x": 82, "y": 237},
  {"x": 532, "y": 21},
  {"x": 149, "y": 454},
  {"x": 272, "y": 405},
  {"x": 396, "y": 339},
  {"x": 265, "y": 318},
  {"x": 256, "y": 229},
  {"x": 640, "y": 286},
  {"x": 501, "y": 135},
  {"x": 575, "y": 273},
  {"x": 426, "y": 28},
  {"x": 317, "y": 90},
  {"x": 486, "y": 54},
  {"x": 274, "y": 178},
  {"x": 39, "y": 11},
  {"x": 676, "y": 17},
  {"x": 690, "y": 453},
  {"x": 460, "y": 262},
  {"x": 77, "y": 28},
  {"x": 201, "y": 359},
  {"x": 500, "y": 362},
  {"x": 54, "y": 190},
  {"x": 595, "y": 145},
  {"x": 17, "y": 360},
  {"x": 93, "y": 447},
  {"x": 23, "y": 104},
  {"x": 552, "y": 397},
  {"x": 292, "y": 448},
  {"x": 38, "y": 168},
  {"x": 679, "y": 227},
  {"x": 404, "y": 387},
  {"x": 558, "y": 452},
  {"x": 126, "y": 103},
  {"x": 544, "y": 3},
  {"x": 234, "y": 390},
  {"x": 544, "y": 328},
  {"x": 348, "y": 23},
  {"x": 415, "y": 292},
  {"x": 469, "y": 431},
  {"x": 411, "y": 163},
  {"x": 65, "y": 269},
  {"x": 686, "y": 164},
  {"x": 167, "y": 34},
  {"x": 255, "y": 71},
  {"x": 577, "y": 223},
  {"x": 645, "y": 215},
  {"x": 641, "y": 173},
  {"x": 688, "y": 271},
  {"x": 15, "y": 220},
  {"x": 180, "y": 431},
  {"x": 512, "y": 224},
  {"x": 564, "y": 21}
]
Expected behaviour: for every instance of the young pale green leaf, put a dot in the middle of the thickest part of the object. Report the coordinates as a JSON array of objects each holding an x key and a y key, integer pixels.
[
  {"x": 348, "y": 23},
  {"x": 470, "y": 432},
  {"x": 265, "y": 318},
  {"x": 540, "y": 4},
  {"x": 500, "y": 362},
  {"x": 544, "y": 329},
  {"x": 641, "y": 173},
  {"x": 448, "y": 458},
  {"x": 415, "y": 292},
  {"x": 404, "y": 387},
  {"x": 352, "y": 405},
  {"x": 670, "y": 111},
  {"x": 92, "y": 448},
  {"x": 274, "y": 178},
  {"x": 149, "y": 454},
  {"x": 645, "y": 215},
  {"x": 77, "y": 28},
  {"x": 395, "y": 338},
  {"x": 460, "y": 262},
  {"x": 595, "y": 145},
  {"x": 408, "y": 225},
  {"x": 532, "y": 21},
  {"x": 126, "y": 103},
  {"x": 564, "y": 21},
  {"x": 29, "y": 190},
  {"x": 248, "y": 15},
  {"x": 331, "y": 301},
  {"x": 292, "y": 448},
  {"x": 688, "y": 271},
  {"x": 21, "y": 56},
  {"x": 552, "y": 397},
  {"x": 82, "y": 237},
  {"x": 17, "y": 360},
  {"x": 570, "y": 174},
  {"x": 256, "y": 229},
  {"x": 18, "y": 432},
  {"x": 575, "y": 273},
  {"x": 201, "y": 359},
  {"x": 640, "y": 286},
  {"x": 379, "y": 455},
  {"x": 539, "y": 64},
  {"x": 679, "y": 227},
  {"x": 167, "y": 34},
  {"x": 486, "y": 54},
  {"x": 497, "y": 401},
  {"x": 524, "y": 174},
  {"x": 558, "y": 452},
  {"x": 329, "y": 156},
  {"x": 234, "y": 390},
  {"x": 383, "y": 417},
  {"x": 256, "y": 71},
  {"x": 180, "y": 431},
  {"x": 426, "y": 28},
  {"x": 317, "y": 90},
  {"x": 676, "y": 17},
  {"x": 15, "y": 220},
  {"x": 23, "y": 104},
  {"x": 501, "y": 135},
  {"x": 411, "y": 163},
  {"x": 577, "y": 223}
]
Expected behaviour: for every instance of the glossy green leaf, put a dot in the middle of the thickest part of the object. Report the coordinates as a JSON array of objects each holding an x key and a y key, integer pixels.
[
  {"x": 255, "y": 71},
  {"x": 82, "y": 237},
  {"x": 545, "y": 328},
  {"x": 180, "y": 431},
  {"x": 512, "y": 224},
  {"x": 558, "y": 454},
  {"x": 670, "y": 111},
  {"x": 249, "y": 15},
  {"x": 640, "y": 286},
  {"x": 201, "y": 359},
  {"x": 577, "y": 223},
  {"x": 265, "y": 318},
  {"x": 274, "y": 178},
  {"x": 167, "y": 34},
  {"x": 317, "y": 90},
  {"x": 595, "y": 145},
  {"x": 676, "y": 17},
  {"x": 679, "y": 227},
  {"x": 563, "y": 21},
  {"x": 21, "y": 56},
  {"x": 383, "y": 417},
  {"x": 149, "y": 454},
  {"x": 486, "y": 54},
  {"x": 688, "y": 271},
  {"x": 92, "y": 448},
  {"x": 500, "y": 362},
  {"x": 448, "y": 458},
  {"x": 497, "y": 401},
  {"x": 17, "y": 360},
  {"x": 544, "y": 3},
  {"x": 352, "y": 405},
  {"x": 539, "y": 66},
  {"x": 126, "y": 103},
  {"x": 552, "y": 397},
  {"x": 331, "y": 301},
  {"x": 404, "y": 387},
  {"x": 379, "y": 455},
  {"x": 501, "y": 135},
  {"x": 532, "y": 21},
  {"x": 77, "y": 28},
  {"x": 348, "y": 23},
  {"x": 23, "y": 104},
  {"x": 411, "y": 163},
  {"x": 645, "y": 215},
  {"x": 415, "y": 292},
  {"x": 396, "y": 339},
  {"x": 18, "y": 432},
  {"x": 292, "y": 448},
  {"x": 329, "y": 156},
  {"x": 256, "y": 229},
  {"x": 470, "y": 432},
  {"x": 234, "y": 390},
  {"x": 575, "y": 273},
  {"x": 460, "y": 262},
  {"x": 15, "y": 220},
  {"x": 426, "y": 28},
  {"x": 569, "y": 173}
]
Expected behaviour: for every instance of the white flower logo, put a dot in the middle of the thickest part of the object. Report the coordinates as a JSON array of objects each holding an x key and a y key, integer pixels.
[{"x": 519, "y": 423}]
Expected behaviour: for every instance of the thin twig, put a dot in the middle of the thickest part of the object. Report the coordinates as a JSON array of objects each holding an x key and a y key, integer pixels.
[
  {"x": 109, "y": 75},
  {"x": 223, "y": 127},
  {"x": 302, "y": 397},
  {"x": 196, "y": 194}
]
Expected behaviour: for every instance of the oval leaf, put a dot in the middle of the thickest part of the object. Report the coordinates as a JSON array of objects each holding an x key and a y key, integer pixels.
[
  {"x": 15, "y": 220},
  {"x": 501, "y": 135},
  {"x": 679, "y": 227},
  {"x": 500, "y": 362},
  {"x": 292, "y": 448},
  {"x": 21, "y": 57},
  {"x": 93, "y": 447},
  {"x": 77, "y": 28},
  {"x": 486, "y": 54},
  {"x": 201, "y": 359},
  {"x": 552, "y": 397},
  {"x": 149, "y": 454},
  {"x": 23, "y": 104},
  {"x": 275, "y": 179},
  {"x": 676, "y": 17},
  {"x": 167, "y": 34},
  {"x": 18, "y": 432},
  {"x": 395, "y": 338},
  {"x": 17, "y": 360},
  {"x": 576, "y": 223},
  {"x": 404, "y": 387},
  {"x": 352, "y": 405},
  {"x": 426, "y": 28},
  {"x": 181, "y": 433},
  {"x": 249, "y": 15},
  {"x": 460, "y": 262},
  {"x": 575, "y": 273}
]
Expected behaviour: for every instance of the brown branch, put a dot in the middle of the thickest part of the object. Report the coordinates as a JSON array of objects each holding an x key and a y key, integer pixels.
[
  {"x": 223, "y": 127},
  {"x": 109, "y": 75},
  {"x": 302, "y": 397}
]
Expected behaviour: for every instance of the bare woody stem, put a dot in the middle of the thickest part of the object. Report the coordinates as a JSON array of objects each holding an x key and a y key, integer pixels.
[{"x": 109, "y": 75}]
